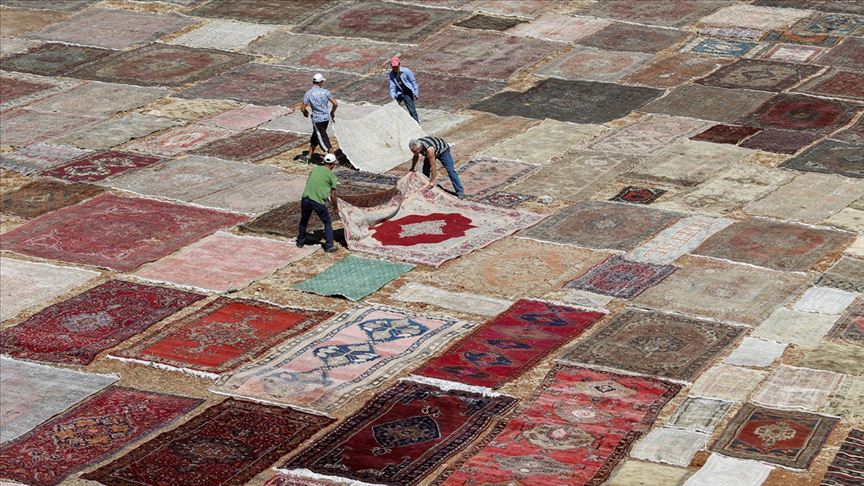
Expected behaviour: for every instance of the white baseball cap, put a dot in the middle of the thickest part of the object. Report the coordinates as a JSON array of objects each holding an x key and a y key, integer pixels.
[
  {"x": 317, "y": 78},
  {"x": 329, "y": 159}
]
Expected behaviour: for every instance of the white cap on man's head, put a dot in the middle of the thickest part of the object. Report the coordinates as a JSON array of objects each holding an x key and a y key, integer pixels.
[
  {"x": 317, "y": 78},
  {"x": 329, "y": 159}
]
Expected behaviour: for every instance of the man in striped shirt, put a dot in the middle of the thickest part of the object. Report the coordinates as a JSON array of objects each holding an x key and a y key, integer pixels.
[{"x": 434, "y": 148}]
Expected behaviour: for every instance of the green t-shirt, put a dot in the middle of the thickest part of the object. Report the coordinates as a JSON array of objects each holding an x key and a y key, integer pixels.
[{"x": 319, "y": 184}]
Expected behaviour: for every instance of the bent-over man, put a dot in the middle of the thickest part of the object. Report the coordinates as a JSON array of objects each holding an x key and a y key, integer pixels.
[
  {"x": 320, "y": 188},
  {"x": 434, "y": 148}
]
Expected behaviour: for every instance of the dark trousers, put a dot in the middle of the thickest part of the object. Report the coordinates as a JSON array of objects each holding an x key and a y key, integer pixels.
[
  {"x": 408, "y": 99},
  {"x": 319, "y": 135},
  {"x": 307, "y": 206}
]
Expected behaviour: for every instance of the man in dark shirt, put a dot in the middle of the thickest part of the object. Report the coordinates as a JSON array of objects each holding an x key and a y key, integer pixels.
[{"x": 434, "y": 148}]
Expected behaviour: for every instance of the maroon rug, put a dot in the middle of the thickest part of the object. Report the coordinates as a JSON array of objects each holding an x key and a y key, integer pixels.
[
  {"x": 731, "y": 134},
  {"x": 252, "y": 145},
  {"x": 101, "y": 165},
  {"x": 799, "y": 112}
]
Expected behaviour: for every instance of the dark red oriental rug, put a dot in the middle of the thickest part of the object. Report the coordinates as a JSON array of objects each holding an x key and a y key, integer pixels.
[
  {"x": 227, "y": 444},
  {"x": 403, "y": 434},
  {"x": 101, "y": 165},
  {"x": 618, "y": 277},
  {"x": 88, "y": 433},
  {"x": 76, "y": 330},
  {"x": 223, "y": 335},
  {"x": 511, "y": 343},
  {"x": 847, "y": 468}
]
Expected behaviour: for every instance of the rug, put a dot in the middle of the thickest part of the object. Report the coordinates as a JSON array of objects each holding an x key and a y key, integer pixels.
[
  {"x": 488, "y": 22},
  {"x": 114, "y": 232},
  {"x": 804, "y": 329},
  {"x": 776, "y": 245},
  {"x": 654, "y": 13},
  {"x": 283, "y": 480},
  {"x": 836, "y": 83},
  {"x": 721, "y": 290},
  {"x": 730, "y": 134},
  {"x": 839, "y": 358},
  {"x": 483, "y": 131},
  {"x": 845, "y": 469},
  {"x": 542, "y": 142},
  {"x": 18, "y": 21},
  {"x": 678, "y": 239},
  {"x": 482, "y": 175},
  {"x": 759, "y": 75},
  {"x": 101, "y": 165},
  {"x": 847, "y": 218},
  {"x": 718, "y": 47},
  {"x": 848, "y": 399},
  {"x": 375, "y": 20},
  {"x": 792, "y": 53},
  {"x": 587, "y": 101},
  {"x": 98, "y": 99},
  {"x": 619, "y": 36},
  {"x": 699, "y": 414},
  {"x": 378, "y": 141},
  {"x": 41, "y": 392},
  {"x": 640, "y": 341},
  {"x": 673, "y": 70},
  {"x": 670, "y": 446},
  {"x": 797, "y": 388},
  {"x": 43, "y": 196},
  {"x": 455, "y": 301},
  {"x": 188, "y": 110},
  {"x": 21, "y": 89},
  {"x": 225, "y": 35},
  {"x": 731, "y": 189},
  {"x": 229, "y": 443},
  {"x": 849, "y": 54},
  {"x": 809, "y": 198},
  {"x": 620, "y": 278},
  {"x": 179, "y": 140},
  {"x": 719, "y": 470},
  {"x": 575, "y": 429},
  {"x": 730, "y": 383},
  {"x": 688, "y": 163},
  {"x": 426, "y": 225},
  {"x": 89, "y": 433},
  {"x": 76, "y": 330},
  {"x": 647, "y": 474},
  {"x": 52, "y": 59},
  {"x": 99, "y": 27},
  {"x": 222, "y": 336},
  {"x": 58, "y": 5},
  {"x": 755, "y": 17},
  {"x": 263, "y": 11},
  {"x": 831, "y": 24},
  {"x": 709, "y": 103},
  {"x": 440, "y": 91},
  {"x": 256, "y": 196},
  {"x": 780, "y": 141},
  {"x": 651, "y": 134},
  {"x": 792, "y": 37},
  {"x": 27, "y": 284},
  {"x": 850, "y": 327},
  {"x": 39, "y": 156},
  {"x": 355, "y": 55},
  {"x": 602, "y": 225},
  {"x": 354, "y": 278},
  {"x": 252, "y": 145},
  {"x": 24, "y": 126},
  {"x": 355, "y": 352},
  {"x": 246, "y": 117},
  {"x": 830, "y": 157},
  {"x": 280, "y": 43},
  {"x": 224, "y": 262},
  {"x": 790, "y": 439},
  {"x": 638, "y": 195},
  {"x": 799, "y": 112},
  {"x": 754, "y": 352},
  {"x": 824, "y": 300},
  {"x": 595, "y": 64},
  {"x": 511, "y": 343},
  {"x": 562, "y": 28},
  {"x": 110, "y": 133}
]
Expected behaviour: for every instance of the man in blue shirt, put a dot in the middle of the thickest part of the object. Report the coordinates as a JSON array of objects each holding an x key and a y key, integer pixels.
[
  {"x": 403, "y": 87},
  {"x": 319, "y": 100}
]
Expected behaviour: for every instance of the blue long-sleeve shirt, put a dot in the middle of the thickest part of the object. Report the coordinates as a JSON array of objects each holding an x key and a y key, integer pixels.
[{"x": 408, "y": 78}]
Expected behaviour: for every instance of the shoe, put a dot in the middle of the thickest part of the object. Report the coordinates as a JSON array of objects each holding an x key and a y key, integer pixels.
[
  {"x": 332, "y": 249},
  {"x": 303, "y": 158},
  {"x": 300, "y": 244},
  {"x": 460, "y": 195}
]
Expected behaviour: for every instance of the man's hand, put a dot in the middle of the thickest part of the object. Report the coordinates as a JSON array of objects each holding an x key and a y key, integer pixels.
[
  {"x": 333, "y": 116},
  {"x": 305, "y": 114}
]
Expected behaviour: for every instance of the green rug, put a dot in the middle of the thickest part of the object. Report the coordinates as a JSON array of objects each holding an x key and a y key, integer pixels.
[{"x": 354, "y": 277}]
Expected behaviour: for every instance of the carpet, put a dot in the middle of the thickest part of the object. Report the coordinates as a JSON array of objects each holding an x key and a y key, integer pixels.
[
  {"x": 836, "y": 83},
  {"x": 39, "y": 156},
  {"x": 575, "y": 175},
  {"x": 805, "y": 329},
  {"x": 678, "y": 239},
  {"x": 225, "y": 35},
  {"x": 602, "y": 225},
  {"x": 845, "y": 469},
  {"x": 98, "y": 99},
  {"x": 252, "y": 145},
  {"x": 26, "y": 284},
  {"x": 161, "y": 65},
  {"x": 355, "y": 352},
  {"x": 263, "y": 11},
  {"x": 709, "y": 103},
  {"x": 656, "y": 344},
  {"x": 830, "y": 157},
  {"x": 790, "y": 439},
  {"x": 797, "y": 388},
  {"x": 221, "y": 336},
  {"x": 109, "y": 133},
  {"x": 759, "y": 75},
  {"x": 503, "y": 199},
  {"x": 21, "y": 89},
  {"x": 575, "y": 429},
  {"x": 440, "y": 91},
  {"x": 647, "y": 474},
  {"x": 831, "y": 24},
  {"x": 673, "y": 69},
  {"x": 849, "y": 54},
  {"x": 179, "y": 140},
  {"x": 188, "y": 110},
  {"x": 99, "y": 166},
  {"x": 355, "y": 55},
  {"x": 256, "y": 196},
  {"x": 731, "y": 189},
  {"x": 638, "y": 195},
  {"x": 426, "y": 225},
  {"x": 688, "y": 163},
  {"x": 89, "y": 433},
  {"x": 52, "y": 59},
  {"x": 24, "y": 126},
  {"x": 754, "y": 352},
  {"x": 482, "y": 175},
  {"x": 670, "y": 446},
  {"x": 800, "y": 112},
  {"x": 375, "y": 20},
  {"x": 378, "y": 142},
  {"x": 699, "y": 414},
  {"x": 824, "y": 300},
  {"x": 483, "y": 131},
  {"x": 99, "y": 27},
  {"x": 776, "y": 245},
  {"x": 354, "y": 278},
  {"x": 621, "y": 278},
  {"x": 848, "y": 399},
  {"x": 488, "y": 22},
  {"x": 18, "y": 21},
  {"x": 279, "y": 43},
  {"x": 720, "y": 290},
  {"x": 119, "y": 233},
  {"x": 792, "y": 53},
  {"x": 246, "y": 117},
  {"x": 755, "y": 17},
  {"x": 41, "y": 392},
  {"x": 587, "y": 101},
  {"x": 780, "y": 141},
  {"x": 227, "y": 444},
  {"x": 730, "y": 383},
  {"x": 718, "y": 47},
  {"x": 594, "y": 64},
  {"x": 562, "y": 28},
  {"x": 792, "y": 37},
  {"x": 224, "y": 262},
  {"x": 43, "y": 196},
  {"x": 850, "y": 327},
  {"x": 542, "y": 142},
  {"x": 511, "y": 343},
  {"x": 718, "y": 468},
  {"x": 809, "y": 198},
  {"x": 455, "y": 301},
  {"x": 417, "y": 426},
  {"x": 58, "y": 5},
  {"x": 76, "y": 330},
  {"x": 730, "y": 134},
  {"x": 619, "y": 36},
  {"x": 651, "y": 134},
  {"x": 679, "y": 14}
]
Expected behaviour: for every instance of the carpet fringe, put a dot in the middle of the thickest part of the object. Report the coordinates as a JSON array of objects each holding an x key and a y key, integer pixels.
[
  {"x": 153, "y": 364},
  {"x": 448, "y": 385},
  {"x": 305, "y": 473}
]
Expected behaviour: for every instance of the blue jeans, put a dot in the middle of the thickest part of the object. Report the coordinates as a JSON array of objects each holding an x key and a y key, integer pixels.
[
  {"x": 306, "y": 207},
  {"x": 447, "y": 161},
  {"x": 408, "y": 99}
]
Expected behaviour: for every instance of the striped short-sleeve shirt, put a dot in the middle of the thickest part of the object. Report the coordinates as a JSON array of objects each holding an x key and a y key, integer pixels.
[{"x": 438, "y": 144}]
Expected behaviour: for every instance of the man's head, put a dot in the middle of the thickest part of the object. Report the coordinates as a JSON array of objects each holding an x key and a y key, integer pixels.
[
  {"x": 415, "y": 146},
  {"x": 394, "y": 63},
  {"x": 318, "y": 78},
  {"x": 330, "y": 160}
]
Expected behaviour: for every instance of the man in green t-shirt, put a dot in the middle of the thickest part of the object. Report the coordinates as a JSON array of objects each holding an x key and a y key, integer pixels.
[{"x": 320, "y": 188}]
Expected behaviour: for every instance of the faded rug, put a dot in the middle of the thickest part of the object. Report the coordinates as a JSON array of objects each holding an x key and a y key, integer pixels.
[
  {"x": 836, "y": 83},
  {"x": 805, "y": 329},
  {"x": 678, "y": 239},
  {"x": 846, "y": 467},
  {"x": 484, "y": 130},
  {"x": 99, "y": 99},
  {"x": 227, "y": 444},
  {"x": 224, "y": 261},
  {"x": 674, "y": 69},
  {"x": 39, "y": 156},
  {"x": 648, "y": 135},
  {"x": 755, "y": 17},
  {"x": 21, "y": 89},
  {"x": 355, "y": 55},
  {"x": 730, "y": 383},
  {"x": 595, "y": 64},
  {"x": 109, "y": 133},
  {"x": 824, "y": 300},
  {"x": 639, "y": 341},
  {"x": 830, "y": 157},
  {"x": 790, "y": 439},
  {"x": 417, "y": 426},
  {"x": 43, "y": 196},
  {"x": 179, "y": 140},
  {"x": 510, "y": 344},
  {"x": 679, "y": 14},
  {"x": 754, "y": 352},
  {"x": 225, "y": 35},
  {"x": 621, "y": 278},
  {"x": 709, "y": 102},
  {"x": 88, "y": 433},
  {"x": 246, "y": 117},
  {"x": 482, "y": 175},
  {"x": 53, "y": 59},
  {"x": 25, "y": 284},
  {"x": 354, "y": 352},
  {"x": 115, "y": 232},
  {"x": 562, "y": 28},
  {"x": 101, "y": 165},
  {"x": 39, "y": 393},
  {"x": 263, "y": 11},
  {"x": 850, "y": 327},
  {"x": 619, "y": 36},
  {"x": 540, "y": 143},
  {"x": 354, "y": 278},
  {"x": 252, "y": 145},
  {"x": 455, "y": 301},
  {"x": 260, "y": 194},
  {"x": 575, "y": 429},
  {"x": 809, "y": 198},
  {"x": 24, "y": 126},
  {"x": 223, "y": 335},
  {"x": 378, "y": 141},
  {"x": 731, "y": 189},
  {"x": 798, "y": 388},
  {"x": 718, "y": 469},
  {"x": 670, "y": 446},
  {"x": 687, "y": 163},
  {"x": 760, "y": 75},
  {"x": 426, "y": 225},
  {"x": 76, "y": 330},
  {"x": 699, "y": 414}
]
